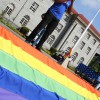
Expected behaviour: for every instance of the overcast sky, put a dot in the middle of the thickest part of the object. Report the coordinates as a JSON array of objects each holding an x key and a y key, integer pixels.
[{"x": 89, "y": 8}]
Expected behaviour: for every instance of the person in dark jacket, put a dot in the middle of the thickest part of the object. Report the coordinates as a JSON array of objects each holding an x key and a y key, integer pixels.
[{"x": 51, "y": 20}]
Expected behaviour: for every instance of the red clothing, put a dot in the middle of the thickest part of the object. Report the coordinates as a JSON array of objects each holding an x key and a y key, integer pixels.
[{"x": 68, "y": 54}]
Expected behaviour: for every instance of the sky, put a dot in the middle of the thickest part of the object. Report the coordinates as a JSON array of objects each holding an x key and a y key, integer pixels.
[{"x": 89, "y": 8}]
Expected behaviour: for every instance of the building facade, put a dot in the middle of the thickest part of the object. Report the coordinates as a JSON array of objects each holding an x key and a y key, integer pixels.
[
  {"x": 69, "y": 30},
  {"x": 89, "y": 44}
]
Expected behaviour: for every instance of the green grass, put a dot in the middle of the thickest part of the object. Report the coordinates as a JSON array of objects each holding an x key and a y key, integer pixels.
[
  {"x": 47, "y": 51},
  {"x": 7, "y": 24},
  {"x": 11, "y": 27}
]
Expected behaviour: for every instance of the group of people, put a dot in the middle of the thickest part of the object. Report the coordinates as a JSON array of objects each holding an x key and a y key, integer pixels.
[
  {"x": 50, "y": 20},
  {"x": 60, "y": 56},
  {"x": 64, "y": 55}
]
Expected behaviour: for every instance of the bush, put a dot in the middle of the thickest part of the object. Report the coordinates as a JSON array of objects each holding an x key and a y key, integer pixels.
[
  {"x": 47, "y": 51},
  {"x": 72, "y": 68},
  {"x": 53, "y": 50},
  {"x": 24, "y": 30}
]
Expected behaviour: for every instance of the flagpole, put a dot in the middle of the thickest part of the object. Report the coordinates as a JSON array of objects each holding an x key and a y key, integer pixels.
[{"x": 86, "y": 29}]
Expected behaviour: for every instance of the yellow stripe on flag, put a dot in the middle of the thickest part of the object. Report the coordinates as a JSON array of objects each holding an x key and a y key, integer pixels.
[{"x": 8, "y": 47}]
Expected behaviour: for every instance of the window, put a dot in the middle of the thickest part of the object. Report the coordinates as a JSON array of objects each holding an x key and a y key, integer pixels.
[
  {"x": 81, "y": 30},
  {"x": 82, "y": 45},
  {"x": 74, "y": 56},
  {"x": 93, "y": 41},
  {"x": 88, "y": 36},
  {"x": 66, "y": 18},
  {"x": 88, "y": 50},
  {"x": 59, "y": 27},
  {"x": 34, "y": 6},
  {"x": 8, "y": 10},
  {"x": 25, "y": 20},
  {"x": 81, "y": 60},
  {"x": 75, "y": 39},
  {"x": 68, "y": 49},
  {"x": 51, "y": 39}
]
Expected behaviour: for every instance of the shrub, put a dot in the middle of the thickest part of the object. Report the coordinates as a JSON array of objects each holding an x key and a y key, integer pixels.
[
  {"x": 24, "y": 30},
  {"x": 53, "y": 50},
  {"x": 47, "y": 51}
]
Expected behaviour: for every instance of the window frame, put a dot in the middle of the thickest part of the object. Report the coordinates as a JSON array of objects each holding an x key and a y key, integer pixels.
[
  {"x": 87, "y": 36},
  {"x": 94, "y": 41},
  {"x": 33, "y": 8},
  {"x": 8, "y": 10},
  {"x": 88, "y": 50},
  {"x": 81, "y": 30},
  {"x": 51, "y": 39},
  {"x": 74, "y": 56},
  {"x": 81, "y": 60},
  {"x": 75, "y": 39},
  {"x": 66, "y": 18},
  {"x": 24, "y": 21},
  {"x": 59, "y": 29},
  {"x": 82, "y": 44}
]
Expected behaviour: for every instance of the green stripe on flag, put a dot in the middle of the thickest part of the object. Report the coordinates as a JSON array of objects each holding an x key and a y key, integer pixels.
[{"x": 23, "y": 70}]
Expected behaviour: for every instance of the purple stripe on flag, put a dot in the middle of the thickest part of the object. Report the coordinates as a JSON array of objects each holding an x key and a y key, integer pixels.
[{"x": 6, "y": 95}]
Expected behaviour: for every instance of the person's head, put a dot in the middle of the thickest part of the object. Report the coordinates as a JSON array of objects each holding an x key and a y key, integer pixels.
[{"x": 70, "y": 8}]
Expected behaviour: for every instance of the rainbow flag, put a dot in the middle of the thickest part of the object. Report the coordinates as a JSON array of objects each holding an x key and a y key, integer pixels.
[{"x": 27, "y": 74}]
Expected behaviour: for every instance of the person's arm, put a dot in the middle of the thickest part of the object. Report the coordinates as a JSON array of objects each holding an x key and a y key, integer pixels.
[
  {"x": 68, "y": 4},
  {"x": 70, "y": 8}
]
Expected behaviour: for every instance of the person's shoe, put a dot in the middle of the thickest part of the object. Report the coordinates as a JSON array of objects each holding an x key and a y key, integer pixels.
[
  {"x": 27, "y": 41},
  {"x": 38, "y": 48}
]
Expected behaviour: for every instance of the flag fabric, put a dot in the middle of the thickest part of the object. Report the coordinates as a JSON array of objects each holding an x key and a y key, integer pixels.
[
  {"x": 27, "y": 89},
  {"x": 7, "y": 95},
  {"x": 30, "y": 75}
]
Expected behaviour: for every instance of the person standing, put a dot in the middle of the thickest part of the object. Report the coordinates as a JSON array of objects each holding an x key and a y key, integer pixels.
[
  {"x": 51, "y": 20},
  {"x": 66, "y": 54}
]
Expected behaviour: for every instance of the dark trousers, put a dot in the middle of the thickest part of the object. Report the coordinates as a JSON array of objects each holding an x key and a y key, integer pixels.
[{"x": 50, "y": 22}]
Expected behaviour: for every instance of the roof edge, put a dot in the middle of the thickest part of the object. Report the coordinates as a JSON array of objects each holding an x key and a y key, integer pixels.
[{"x": 86, "y": 21}]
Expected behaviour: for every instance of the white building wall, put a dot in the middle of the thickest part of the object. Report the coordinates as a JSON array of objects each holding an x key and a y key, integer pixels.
[
  {"x": 22, "y": 8},
  {"x": 35, "y": 17},
  {"x": 5, "y": 3}
]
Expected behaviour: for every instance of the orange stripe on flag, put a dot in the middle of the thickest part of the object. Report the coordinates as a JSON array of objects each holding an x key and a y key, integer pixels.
[{"x": 30, "y": 50}]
